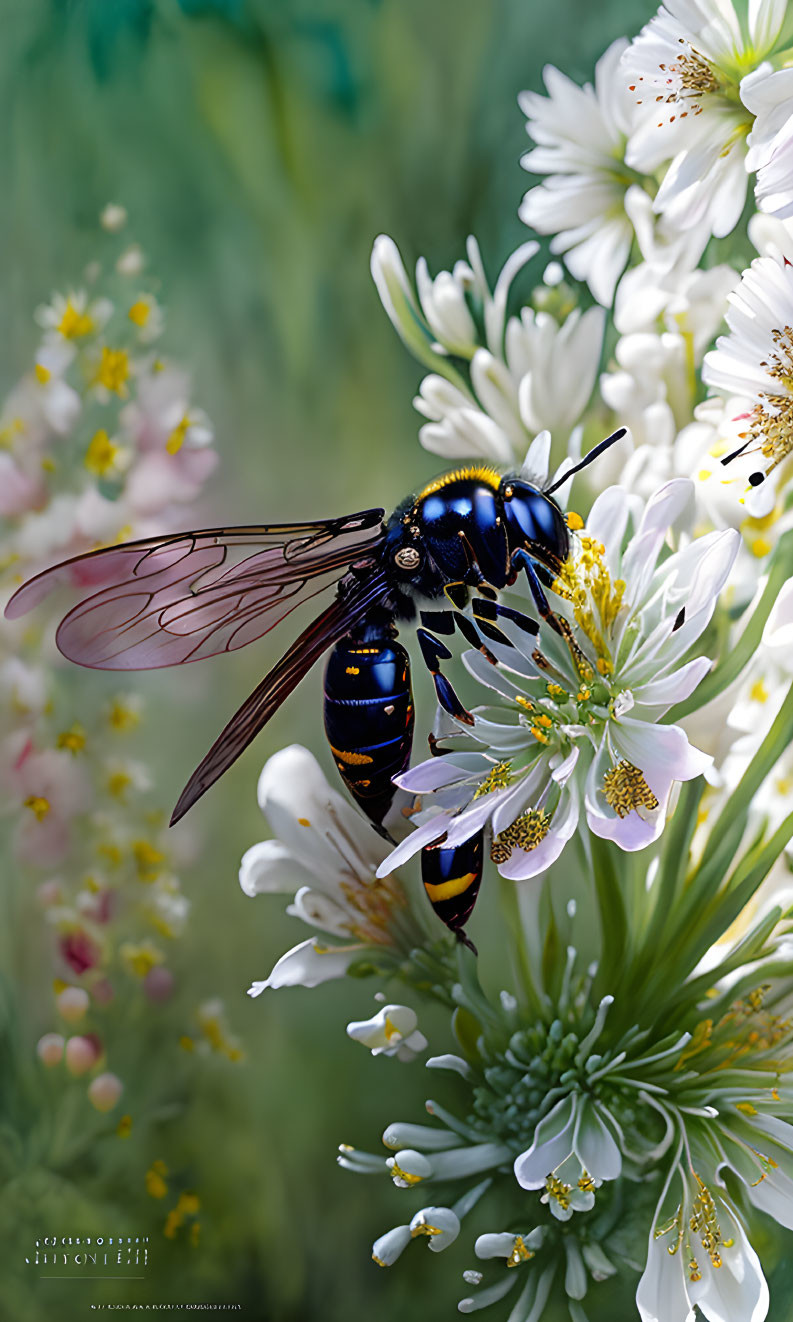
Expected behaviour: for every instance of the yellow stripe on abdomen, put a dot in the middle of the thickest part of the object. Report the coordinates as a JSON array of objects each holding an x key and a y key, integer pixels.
[{"x": 446, "y": 890}]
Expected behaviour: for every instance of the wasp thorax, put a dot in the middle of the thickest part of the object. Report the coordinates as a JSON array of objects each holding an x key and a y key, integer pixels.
[{"x": 407, "y": 557}]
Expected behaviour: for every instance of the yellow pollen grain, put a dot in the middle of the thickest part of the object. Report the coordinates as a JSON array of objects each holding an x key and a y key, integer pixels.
[
  {"x": 526, "y": 834},
  {"x": 303, "y": 821},
  {"x": 761, "y": 547},
  {"x": 561, "y": 1192},
  {"x": 519, "y": 1253},
  {"x": 497, "y": 778},
  {"x": 704, "y": 474},
  {"x": 397, "y": 1171},
  {"x": 574, "y": 521},
  {"x": 423, "y": 1228},
  {"x": 758, "y": 692},
  {"x": 42, "y": 374},
  {"x": 626, "y": 789}
]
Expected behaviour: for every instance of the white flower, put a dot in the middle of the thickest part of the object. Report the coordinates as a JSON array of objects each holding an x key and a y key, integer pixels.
[
  {"x": 325, "y": 854},
  {"x": 585, "y": 732},
  {"x": 393, "y": 1031},
  {"x": 532, "y": 372},
  {"x": 768, "y": 94},
  {"x": 441, "y": 1225},
  {"x": 574, "y": 1151},
  {"x": 755, "y": 362},
  {"x": 685, "y": 70},
  {"x": 73, "y": 316},
  {"x": 700, "y": 1257},
  {"x": 113, "y": 217},
  {"x": 580, "y": 135}
]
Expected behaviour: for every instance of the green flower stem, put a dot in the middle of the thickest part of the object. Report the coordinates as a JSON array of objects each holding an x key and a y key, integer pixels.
[
  {"x": 674, "y": 861},
  {"x": 614, "y": 929},
  {"x": 514, "y": 925},
  {"x": 730, "y": 667}
]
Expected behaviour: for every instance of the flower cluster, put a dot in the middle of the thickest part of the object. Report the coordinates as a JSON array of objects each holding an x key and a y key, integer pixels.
[{"x": 99, "y": 442}]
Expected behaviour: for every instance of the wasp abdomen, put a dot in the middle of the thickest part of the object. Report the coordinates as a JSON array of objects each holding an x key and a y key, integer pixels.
[
  {"x": 452, "y": 877},
  {"x": 369, "y": 719}
]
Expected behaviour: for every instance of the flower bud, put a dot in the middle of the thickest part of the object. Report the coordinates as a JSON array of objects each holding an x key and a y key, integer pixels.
[
  {"x": 158, "y": 983},
  {"x": 72, "y": 1003},
  {"x": 81, "y": 1054},
  {"x": 50, "y": 1049},
  {"x": 388, "y": 1247},
  {"x": 104, "y": 1091}
]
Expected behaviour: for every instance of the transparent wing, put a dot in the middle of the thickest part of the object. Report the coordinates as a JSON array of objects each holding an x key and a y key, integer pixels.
[
  {"x": 255, "y": 712},
  {"x": 164, "y": 601}
]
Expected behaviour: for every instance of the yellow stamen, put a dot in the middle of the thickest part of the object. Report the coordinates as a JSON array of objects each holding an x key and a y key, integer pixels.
[
  {"x": 72, "y": 740},
  {"x": 113, "y": 370},
  {"x": 101, "y": 455},
  {"x": 177, "y": 437},
  {"x": 38, "y": 805},
  {"x": 625, "y": 789},
  {"x": 140, "y": 312},
  {"x": 73, "y": 324},
  {"x": 526, "y": 833}
]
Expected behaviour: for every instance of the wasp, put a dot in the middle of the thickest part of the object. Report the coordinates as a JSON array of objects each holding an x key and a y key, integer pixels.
[{"x": 174, "y": 599}]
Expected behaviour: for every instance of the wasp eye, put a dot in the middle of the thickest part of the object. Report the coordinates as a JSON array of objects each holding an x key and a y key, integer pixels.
[{"x": 407, "y": 557}]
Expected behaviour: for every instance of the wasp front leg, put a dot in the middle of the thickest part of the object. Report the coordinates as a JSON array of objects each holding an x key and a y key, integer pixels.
[{"x": 522, "y": 560}]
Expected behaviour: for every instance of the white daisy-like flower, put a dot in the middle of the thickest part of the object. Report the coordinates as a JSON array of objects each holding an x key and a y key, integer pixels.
[
  {"x": 325, "y": 854},
  {"x": 73, "y": 316},
  {"x": 580, "y": 135},
  {"x": 393, "y": 1031},
  {"x": 533, "y": 371},
  {"x": 754, "y": 362},
  {"x": 685, "y": 70},
  {"x": 579, "y": 725},
  {"x": 768, "y": 94}
]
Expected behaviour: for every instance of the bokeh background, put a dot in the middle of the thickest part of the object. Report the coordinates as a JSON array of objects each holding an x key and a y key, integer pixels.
[{"x": 259, "y": 146}]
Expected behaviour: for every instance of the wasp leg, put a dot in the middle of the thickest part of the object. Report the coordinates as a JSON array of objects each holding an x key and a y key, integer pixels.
[
  {"x": 446, "y": 621},
  {"x": 486, "y": 612},
  {"x": 457, "y": 594},
  {"x": 522, "y": 560},
  {"x": 433, "y": 652}
]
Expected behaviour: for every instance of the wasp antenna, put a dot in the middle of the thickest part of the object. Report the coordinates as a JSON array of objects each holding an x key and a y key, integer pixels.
[{"x": 594, "y": 454}]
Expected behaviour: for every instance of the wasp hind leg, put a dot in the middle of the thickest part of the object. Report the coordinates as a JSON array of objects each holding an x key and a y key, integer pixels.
[{"x": 434, "y": 652}]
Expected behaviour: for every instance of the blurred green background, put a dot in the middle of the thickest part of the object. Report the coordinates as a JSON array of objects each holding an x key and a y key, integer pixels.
[{"x": 259, "y": 146}]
